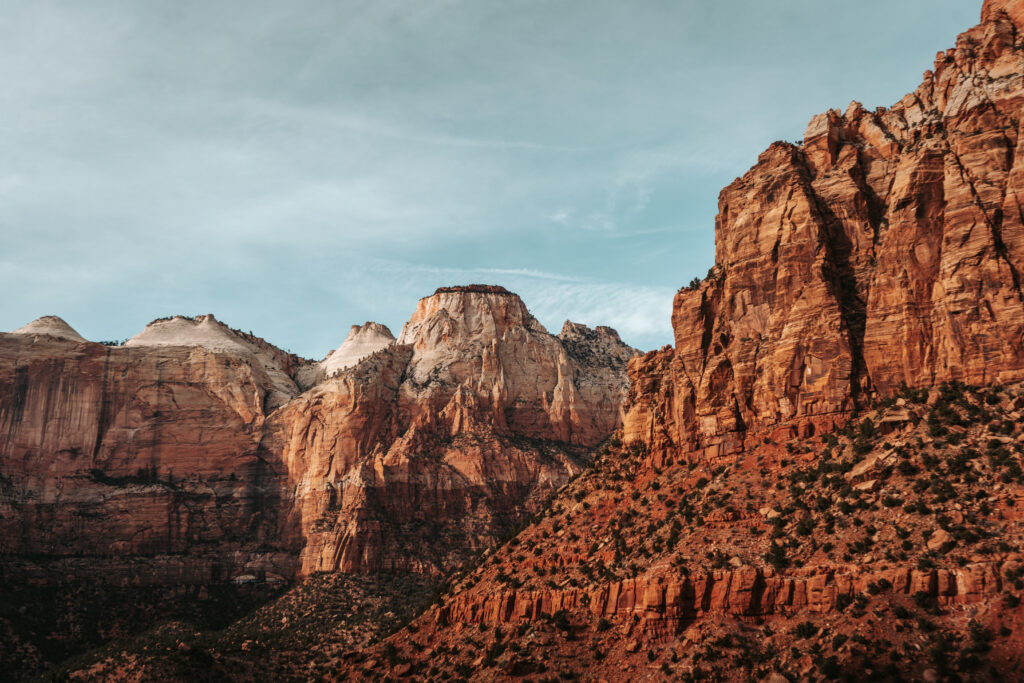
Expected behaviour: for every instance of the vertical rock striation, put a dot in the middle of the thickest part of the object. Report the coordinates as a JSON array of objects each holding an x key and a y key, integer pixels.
[
  {"x": 140, "y": 462},
  {"x": 885, "y": 250},
  {"x": 190, "y": 453},
  {"x": 431, "y": 449}
]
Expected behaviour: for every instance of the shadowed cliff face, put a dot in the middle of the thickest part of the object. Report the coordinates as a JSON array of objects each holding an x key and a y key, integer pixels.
[
  {"x": 189, "y": 454},
  {"x": 886, "y": 250}
]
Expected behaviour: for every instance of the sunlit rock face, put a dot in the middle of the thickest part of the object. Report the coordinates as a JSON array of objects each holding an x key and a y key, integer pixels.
[
  {"x": 885, "y": 250},
  {"x": 428, "y": 450},
  {"x": 191, "y": 453},
  {"x": 873, "y": 267}
]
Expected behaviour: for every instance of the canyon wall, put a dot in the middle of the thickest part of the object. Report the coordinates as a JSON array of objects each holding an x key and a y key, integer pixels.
[
  {"x": 192, "y": 454},
  {"x": 139, "y": 451},
  {"x": 442, "y": 441},
  {"x": 884, "y": 250}
]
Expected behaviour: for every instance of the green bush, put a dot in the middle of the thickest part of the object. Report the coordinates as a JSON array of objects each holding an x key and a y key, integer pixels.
[{"x": 776, "y": 556}]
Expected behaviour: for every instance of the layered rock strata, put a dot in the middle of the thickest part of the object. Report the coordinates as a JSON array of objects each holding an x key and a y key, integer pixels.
[
  {"x": 886, "y": 250},
  {"x": 664, "y": 605},
  {"x": 142, "y": 458},
  {"x": 191, "y": 454},
  {"x": 432, "y": 448}
]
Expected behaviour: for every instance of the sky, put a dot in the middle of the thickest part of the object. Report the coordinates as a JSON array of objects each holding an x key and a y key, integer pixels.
[{"x": 298, "y": 167}]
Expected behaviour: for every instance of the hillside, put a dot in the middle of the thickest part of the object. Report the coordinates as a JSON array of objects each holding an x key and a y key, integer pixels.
[{"x": 822, "y": 478}]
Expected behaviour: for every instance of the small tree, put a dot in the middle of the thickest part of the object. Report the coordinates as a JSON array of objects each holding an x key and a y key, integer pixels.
[{"x": 776, "y": 556}]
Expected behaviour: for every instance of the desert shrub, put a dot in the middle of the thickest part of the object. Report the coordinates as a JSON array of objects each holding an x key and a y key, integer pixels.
[
  {"x": 926, "y": 601},
  {"x": 805, "y": 629},
  {"x": 776, "y": 556},
  {"x": 805, "y": 526}
]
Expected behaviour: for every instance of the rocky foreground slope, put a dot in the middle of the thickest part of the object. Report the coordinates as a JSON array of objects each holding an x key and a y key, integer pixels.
[
  {"x": 194, "y": 453},
  {"x": 822, "y": 479}
]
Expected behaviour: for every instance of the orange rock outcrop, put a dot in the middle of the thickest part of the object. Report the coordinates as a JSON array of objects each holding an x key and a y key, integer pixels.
[
  {"x": 663, "y": 605},
  {"x": 430, "y": 450},
  {"x": 191, "y": 454},
  {"x": 885, "y": 250}
]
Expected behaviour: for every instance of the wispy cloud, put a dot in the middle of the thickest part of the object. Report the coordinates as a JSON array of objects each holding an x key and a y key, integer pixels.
[
  {"x": 368, "y": 125},
  {"x": 296, "y": 167},
  {"x": 640, "y": 313},
  {"x": 393, "y": 266}
]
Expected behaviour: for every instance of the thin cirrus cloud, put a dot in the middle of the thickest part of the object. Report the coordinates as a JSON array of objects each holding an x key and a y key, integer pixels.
[
  {"x": 634, "y": 310},
  {"x": 299, "y": 167}
]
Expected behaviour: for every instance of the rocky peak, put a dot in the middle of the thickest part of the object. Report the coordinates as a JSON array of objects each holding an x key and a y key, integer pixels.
[
  {"x": 208, "y": 333},
  {"x": 52, "y": 326},
  {"x": 885, "y": 250},
  {"x": 454, "y": 319},
  {"x": 574, "y": 330},
  {"x": 474, "y": 289},
  {"x": 452, "y": 406},
  {"x": 362, "y": 340},
  {"x": 598, "y": 346},
  {"x": 373, "y": 328},
  {"x": 454, "y": 315},
  {"x": 203, "y": 330},
  {"x": 571, "y": 330},
  {"x": 1013, "y": 8}
]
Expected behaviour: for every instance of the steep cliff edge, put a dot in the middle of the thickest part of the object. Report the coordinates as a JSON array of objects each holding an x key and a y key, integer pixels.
[
  {"x": 430, "y": 449},
  {"x": 140, "y": 462},
  {"x": 190, "y": 454},
  {"x": 885, "y": 251}
]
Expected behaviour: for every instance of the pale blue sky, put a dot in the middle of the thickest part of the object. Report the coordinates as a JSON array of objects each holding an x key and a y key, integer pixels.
[{"x": 297, "y": 167}]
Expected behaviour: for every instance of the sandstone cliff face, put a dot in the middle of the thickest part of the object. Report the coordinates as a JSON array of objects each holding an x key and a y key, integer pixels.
[
  {"x": 427, "y": 451},
  {"x": 886, "y": 250},
  {"x": 145, "y": 450},
  {"x": 665, "y": 604},
  {"x": 190, "y": 453}
]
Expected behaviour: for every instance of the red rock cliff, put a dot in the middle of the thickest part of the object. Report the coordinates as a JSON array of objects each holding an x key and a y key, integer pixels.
[
  {"x": 886, "y": 249},
  {"x": 428, "y": 451},
  {"x": 189, "y": 453},
  {"x": 138, "y": 462}
]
